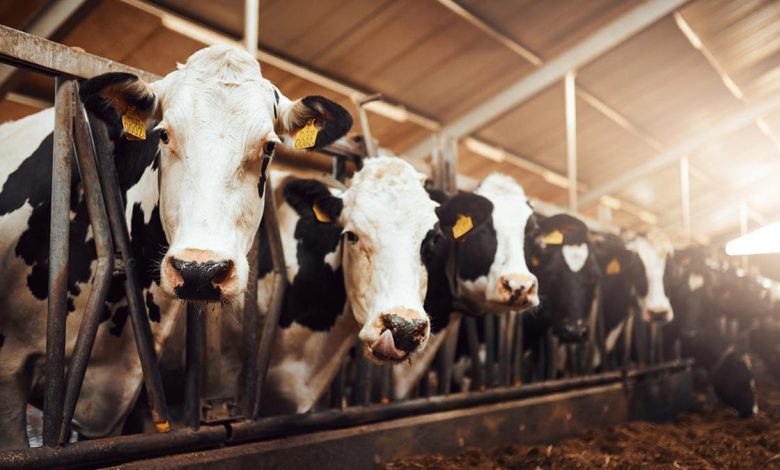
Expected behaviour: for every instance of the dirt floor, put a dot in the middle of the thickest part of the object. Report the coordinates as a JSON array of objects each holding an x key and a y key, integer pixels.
[{"x": 712, "y": 438}]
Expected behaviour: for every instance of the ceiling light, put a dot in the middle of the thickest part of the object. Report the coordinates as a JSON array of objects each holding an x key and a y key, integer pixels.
[{"x": 761, "y": 241}]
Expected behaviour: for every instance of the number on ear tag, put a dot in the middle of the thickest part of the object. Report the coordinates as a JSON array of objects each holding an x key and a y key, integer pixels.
[
  {"x": 613, "y": 267},
  {"x": 463, "y": 225},
  {"x": 553, "y": 238},
  {"x": 306, "y": 137},
  {"x": 320, "y": 214},
  {"x": 135, "y": 127}
]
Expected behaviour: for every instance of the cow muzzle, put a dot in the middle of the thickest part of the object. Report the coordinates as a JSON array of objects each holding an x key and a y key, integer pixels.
[
  {"x": 657, "y": 315},
  {"x": 199, "y": 275},
  {"x": 518, "y": 290},
  {"x": 572, "y": 332},
  {"x": 396, "y": 335}
]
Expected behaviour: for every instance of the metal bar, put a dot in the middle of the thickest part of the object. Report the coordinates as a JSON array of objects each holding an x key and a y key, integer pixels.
[
  {"x": 472, "y": 338},
  {"x": 550, "y": 356},
  {"x": 142, "y": 331},
  {"x": 447, "y": 354},
  {"x": 251, "y": 327},
  {"x": 362, "y": 387},
  {"x": 25, "y": 50},
  {"x": 685, "y": 197},
  {"x": 271, "y": 320},
  {"x": 338, "y": 386},
  {"x": 104, "y": 250},
  {"x": 194, "y": 363},
  {"x": 503, "y": 348},
  {"x": 489, "y": 325},
  {"x": 596, "y": 44},
  {"x": 59, "y": 236},
  {"x": 212, "y": 375},
  {"x": 387, "y": 384},
  {"x": 571, "y": 137},
  {"x": 744, "y": 228},
  {"x": 368, "y": 140},
  {"x": 517, "y": 357},
  {"x": 732, "y": 123},
  {"x": 251, "y": 25}
]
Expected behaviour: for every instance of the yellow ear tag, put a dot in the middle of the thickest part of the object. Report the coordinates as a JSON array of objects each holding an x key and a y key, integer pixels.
[
  {"x": 135, "y": 127},
  {"x": 320, "y": 214},
  {"x": 306, "y": 137},
  {"x": 553, "y": 238},
  {"x": 613, "y": 267},
  {"x": 463, "y": 225},
  {"x": 535, "y": 261}
]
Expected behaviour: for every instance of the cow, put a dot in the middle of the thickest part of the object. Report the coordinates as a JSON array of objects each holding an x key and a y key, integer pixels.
[
  {"x": 479, "y": 266},
  {"x": 355, "y": 265},
  {"x": 563, "y": 260},
  {"x": 696, "y": 328},
  {"x": 193, "y": 190},
  {"x": 623, "y": 283}
]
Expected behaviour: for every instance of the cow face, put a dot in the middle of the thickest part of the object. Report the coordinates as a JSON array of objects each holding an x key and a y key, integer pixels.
[
  {"x": 218, "y": 122},
  {"x": 488, "y": 227},
  {"x": 692, "y": 293},
  {"x": 655, "y": 251},
  {"x": 623, "y": 276},
  {"x": 568, "y": 275}
]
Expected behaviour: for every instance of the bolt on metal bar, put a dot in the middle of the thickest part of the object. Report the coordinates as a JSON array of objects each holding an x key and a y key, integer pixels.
[
  {"x": 194, "y": 362},
  {"x": 271, "y": 320},
  {"x": 59, "y": 237},
  {"x": 104, "y": 250},
  {"x": 142, "y": 331}
]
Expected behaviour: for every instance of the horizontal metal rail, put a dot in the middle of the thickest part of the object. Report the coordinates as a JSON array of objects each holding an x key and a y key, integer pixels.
[{"x": 125, "y": 448}]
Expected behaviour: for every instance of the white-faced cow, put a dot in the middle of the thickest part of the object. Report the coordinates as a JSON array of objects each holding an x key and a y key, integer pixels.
[
  {"x": 480, "y": 268},
  {"x": 355, "y": 270},
  {"x": 656, "y": 252},
  {"x": 193, "y": 191}
]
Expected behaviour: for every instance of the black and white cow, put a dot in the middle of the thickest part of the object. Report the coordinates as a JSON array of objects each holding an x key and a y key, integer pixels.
[
  {"x": 476, "y": 269},
  {"x": 193, "y": 191},
  {"x": 355, "y": 266},
  {"x": 696, "y": 328}
]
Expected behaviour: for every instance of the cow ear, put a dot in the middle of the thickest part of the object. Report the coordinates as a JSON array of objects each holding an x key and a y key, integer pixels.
[
  {"x": 326, "y": 120},
  {"x": 113, "y": 95},
  {"x": 312, "y": 200}
]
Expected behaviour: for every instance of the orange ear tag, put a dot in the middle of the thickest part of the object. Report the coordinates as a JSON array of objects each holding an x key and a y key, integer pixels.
[
  {"x": 306, "y": 137},
  {"x": 320, "y": 214},
  {"x": 135, "y": 127},
  {"x": 463, "y": 225},
  {"x": 553, "y": 238},
  {"x": 613, "y": 267}
]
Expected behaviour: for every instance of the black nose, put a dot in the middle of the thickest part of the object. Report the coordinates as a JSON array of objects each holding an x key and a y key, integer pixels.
[
  {"x": 407, "y": 334},
  {"x": 200, "y": 281},
  {"x": 573, "y": 332},
  {"x": 657, "y": 314}
]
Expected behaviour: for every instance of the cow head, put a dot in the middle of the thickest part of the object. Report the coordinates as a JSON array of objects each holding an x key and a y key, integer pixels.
[
  {"x": 217, "y": 121},
  {"x": 623, "y": 277},
  {"x": 388, "y": 227},
  {"x": 568, "y": 274},
  {"x": 655, "y": 251},
  {"x": 487, "y": 228},
  {"x": 692, "y": 293}
]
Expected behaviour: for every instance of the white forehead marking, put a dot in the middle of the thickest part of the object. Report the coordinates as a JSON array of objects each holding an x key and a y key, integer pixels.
[
  {"x": 510, "y": 204},
  {"x": 695, "y": 282},
  {"x": 575, "y": 256}
]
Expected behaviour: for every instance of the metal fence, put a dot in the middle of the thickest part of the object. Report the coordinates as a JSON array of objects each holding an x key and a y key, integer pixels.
[{"x": 212, "y": 420}]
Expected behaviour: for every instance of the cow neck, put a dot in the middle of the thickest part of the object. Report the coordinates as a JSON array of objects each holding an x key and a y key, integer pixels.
[{"x": 459, "y": 302}]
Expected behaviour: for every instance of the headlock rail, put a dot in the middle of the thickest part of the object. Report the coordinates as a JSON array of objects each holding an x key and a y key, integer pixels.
[{"x": 213, "y": 421}]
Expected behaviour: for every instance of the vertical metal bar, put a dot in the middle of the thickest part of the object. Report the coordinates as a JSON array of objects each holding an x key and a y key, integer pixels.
[
  {"x": 193, "y": 369},
  {"x": 447, "y": 354},
  {"x": 743, "y": 229},
  {"x": 142, "y": 331},
  {"x": 59, "y": 236},
  {"x": 271, "y": 320},
  {"x": 517, "y": 360},
  {"x": 387, "y": 384},
  {"x": 571, "y": 137},
  {"x": 339, "y": 168},
  {"x": 251, "y": 328},
  {"x": 488, "y": 323},
  {"x": 685, "y": 196},
  {"x": 337, "y": 387},
  {"x": 473, "y": 343},
  {"x": 425, "y": 385},
  {"x": 503, "y": 335},
  {"x": 551, "y": 354},
  {"x": 104, "y": 250},
  {"x": 450, "y": 165},
  {"x": 212, "y": 375},
  {"x": 437, "y": 163},
  {"x": 251, "y": 20},
  {"x": 370, "y": 144},
  {"x": 362, "y": 395}
]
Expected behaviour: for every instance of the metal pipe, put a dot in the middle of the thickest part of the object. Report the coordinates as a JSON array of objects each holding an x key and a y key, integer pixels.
[
  {"x": 362, "y": 389},
  {"x": 104, "y": 250},
  {"x": 271, "y": 320},
  {"x": 193, "y": 368},
  {"x": 115, "y": 209},
  {"x": 473, "y": 343},
  {"x": 503, "y": 334},
  {"x": 59, "y": 236},
  {"x": 570, "y": 93},
  {"x": 251, "y": 20},
  {"x": 517, "y": 358},
  {"x": 488, "y": 323},
  {"x": 446, "y": 355},
  {"x": 685, "y": 197},
  {"x": 368, "y": 140},
  {"x": 337, "y": 387},
  {"x": 251, "y": 328},
  {"x": 212, "y": 375}
]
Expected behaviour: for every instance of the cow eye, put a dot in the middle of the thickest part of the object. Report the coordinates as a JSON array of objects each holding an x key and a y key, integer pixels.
[
  {"x": 164, "y": 138},
  {"x": 269, "y": 147},
  {"x": 352, "y": 237}
]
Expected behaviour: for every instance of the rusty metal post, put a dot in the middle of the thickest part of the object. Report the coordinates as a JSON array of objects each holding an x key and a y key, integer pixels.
[
  {"x": 104, "y": 250},
  {"x": 59, "y": 237},
  {"x": 193, "y": 369},
  {"x": 271, "y": 320},
  {"x": 142, "y": 331}
]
